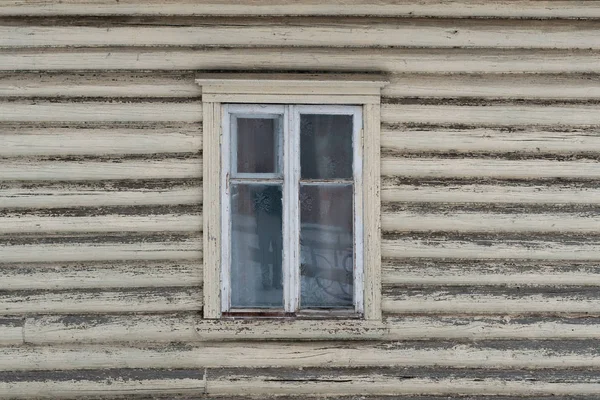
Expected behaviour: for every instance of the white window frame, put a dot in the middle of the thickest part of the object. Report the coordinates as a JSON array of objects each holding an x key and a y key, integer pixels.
[
  {"x": 290, "y": 159},
  {"x": 363, "y": 91}
]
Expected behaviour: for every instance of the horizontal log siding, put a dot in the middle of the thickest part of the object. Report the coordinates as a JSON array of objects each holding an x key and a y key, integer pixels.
[{"x": 490, "y": 199}]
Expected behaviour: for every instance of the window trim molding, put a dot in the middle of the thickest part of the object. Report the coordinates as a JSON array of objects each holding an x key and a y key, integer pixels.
[{"x": 354, "y": 89}]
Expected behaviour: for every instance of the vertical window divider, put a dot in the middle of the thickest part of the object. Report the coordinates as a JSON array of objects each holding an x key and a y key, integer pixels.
[
  {"x": 292, "y": 211},
  {"x": 226, "y": 137}
]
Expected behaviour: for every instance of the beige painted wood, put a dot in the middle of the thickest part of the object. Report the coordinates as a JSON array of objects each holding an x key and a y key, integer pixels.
[
  {"x": 443, "y": 302},
  {"x": 34, "y": 170},
  {"x": 506, "y": 192},
  {"x": 492, "y": 114},
  {"x": 61, "y": 195},
  {"x": 465, "y": 33},
  {"x": 563, "y": 87},
  {"x": 18, "y": 141},
  {"x": 372, "y": 211},
  {"x": 459, "y": 221},
  {"x": 101, "y": 301},
  {"x": 190, "y": 249},
  {"x": 148, "y": 328},
  {"x": 11, "y": 335},
  {"x": 393, "y": 385},
  {"x": 180, "y": 84},
  {"x": 107, "y": 223},
  {"x": 77, "y": 388},
  {"x": 99, "y": 84},
  {"x": 527, "y": 139},
  {"x": 491, "y": 273},
  {"x": 291, "y": 99},
  {"x": 310, "y": 59},
  {"x": 255, "y": 355},
  {"x": 99, "y": 111},
  {"x": 522, "y": 248},
  {"x": 212, "y": 203},
  {"x": 110, "y": 328},
  {"x": 115, "y": 274},
  {"x": 492, "y": 168},
  {"x": 390, "y": 8}
]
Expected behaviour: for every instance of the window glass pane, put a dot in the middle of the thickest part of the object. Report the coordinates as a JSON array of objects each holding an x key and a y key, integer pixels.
[
  {"x": 325, "y": 146},
  {"x": 256, "y": 246},
  {"x": 257, "y": 145},
  {"x": 327, "y": 252}
]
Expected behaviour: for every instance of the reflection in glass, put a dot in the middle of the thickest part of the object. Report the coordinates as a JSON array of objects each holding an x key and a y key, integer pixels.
[
  {"x": 257, "y": 145},
  {"x": 326, "y": 241},
  {"x": 256, "y": 246},
  {"x": 325, "y": 146}
]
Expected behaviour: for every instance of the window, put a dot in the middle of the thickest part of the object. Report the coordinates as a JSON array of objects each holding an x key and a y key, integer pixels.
[
  {"x": 291, "y": 196},
  {"x": 291, "y": 210}
]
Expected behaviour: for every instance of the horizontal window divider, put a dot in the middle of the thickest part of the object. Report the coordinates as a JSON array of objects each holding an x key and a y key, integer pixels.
[
  {"x": 255, "y": 180},
  {"x": 326, "y": 181}
]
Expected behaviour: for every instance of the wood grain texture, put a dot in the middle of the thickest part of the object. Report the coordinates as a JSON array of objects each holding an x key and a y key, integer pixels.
[
  {"x": 11, "y": 330},
  {"x": 492, "y": 355},
  {"x": 180, "y": 84},
  {"x": 99, "y": 111},
  {"x": 464, "y": 33},
  {"x": 430, "y": 8},
  {"x": 437, "y": 61},
  {"x": 112, "y": 383},
  {"x": 492, "y": 114},
  {"x": 372, "y": 211},
  {"x": 25, "y": 169},
  {"x": 491, "y": 246},
  {"x": 74, "y": 249},
  {"x": 103, "y": 193},
  {"x": 128, "y": 300},
  {"x": 111, "y": 328},
  {"x": 186, "y": 327},
  {"x": 500, "y": 140},
  {"x": 489, "y": 168},
  {"x": 95, "y": 275},
  {"x": 494, "y": 191},
  {"x": 27, "y": 141},
  {"x": 212, "y": 201},
  {"x": 439, "y": 272}
]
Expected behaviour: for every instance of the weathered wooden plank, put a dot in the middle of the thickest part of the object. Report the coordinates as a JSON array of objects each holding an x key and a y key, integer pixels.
[
  {"x": 100, "y": 111},
  {"x": 164, "y": 299},
  {"x": 110, "y": 328},
  {"x": 57, "y": 194},
  {"x": 480, "y": 300},
  {"x": 118, "y": 222},
  {"x": 490, "y": 272},
  {"x": 124, "y": 84},
  {"x": 148, "y": 328},
  {"x": 572, "y": 86},
  {"x": 108, "y": 274},
  {"x": 11, "y": 330},
  {"x": 566, "y": 140},
  {"x": 151, "y": 167},
  {"x": 473, "y": 191},
  {"x": 180, "y": 84},
  {"x": 64, "y": 141},
  {"x": 407, "y": 220},
  {"x": 488, "y": 246},
  {"x": 404, "y": 381},
  {"x": 492, "y": 114},
  {"x": 494, "y": 355},
  {"x": 489, "y": 168},
  {"x": 402, "y": 8},
  {"x": 100, "y": 248},
  {"x": 435, "y": 61},
  {"x": 318, "y": 32},
  {"x": 108, "y": 383},
  {"x": 403, "y": 328}
]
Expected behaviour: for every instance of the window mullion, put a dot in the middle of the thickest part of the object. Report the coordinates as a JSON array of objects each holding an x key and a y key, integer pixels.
[{"x": 291, "y": 220}]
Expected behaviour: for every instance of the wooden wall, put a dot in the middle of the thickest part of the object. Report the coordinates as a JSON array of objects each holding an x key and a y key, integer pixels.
[{"x": 490, "y": 199}]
